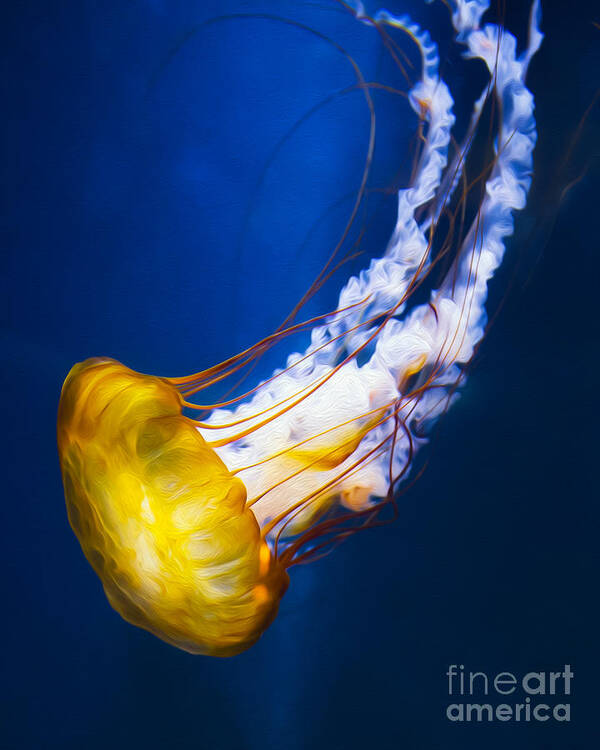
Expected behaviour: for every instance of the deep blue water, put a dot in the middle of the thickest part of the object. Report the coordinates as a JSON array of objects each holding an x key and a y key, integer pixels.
[{"x": 139, "y": 222}]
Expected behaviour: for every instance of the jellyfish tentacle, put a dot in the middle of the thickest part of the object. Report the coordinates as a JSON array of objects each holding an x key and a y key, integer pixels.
[
  {"x": 389, "y": 278},
  {"x": 466, "y": 15},
  {"x": 458, "y": 324},
  {"x": 508, "y": 184},
  {"x": 437, "y": 338}
]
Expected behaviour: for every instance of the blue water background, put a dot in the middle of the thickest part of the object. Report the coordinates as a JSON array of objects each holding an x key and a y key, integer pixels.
[{"x": 139, "y": 222}]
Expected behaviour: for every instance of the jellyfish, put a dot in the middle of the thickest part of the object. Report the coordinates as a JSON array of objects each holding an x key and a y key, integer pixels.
[{"x": 193, "y": 523}]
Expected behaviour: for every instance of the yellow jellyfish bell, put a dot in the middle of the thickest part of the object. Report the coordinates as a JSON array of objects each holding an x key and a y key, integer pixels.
[{"x": 159, "y": 517}]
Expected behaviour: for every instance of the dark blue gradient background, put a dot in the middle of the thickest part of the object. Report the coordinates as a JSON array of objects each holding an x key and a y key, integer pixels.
[{"x": 136, "y": 225}]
